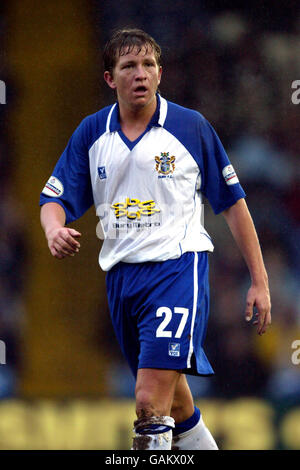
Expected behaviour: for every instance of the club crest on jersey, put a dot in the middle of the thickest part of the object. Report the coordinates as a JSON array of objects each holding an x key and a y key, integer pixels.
[{"x": 165, "y": 165}]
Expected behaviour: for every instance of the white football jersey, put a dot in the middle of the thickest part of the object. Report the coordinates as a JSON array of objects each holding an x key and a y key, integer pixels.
[{"x": 148, "y": 194}]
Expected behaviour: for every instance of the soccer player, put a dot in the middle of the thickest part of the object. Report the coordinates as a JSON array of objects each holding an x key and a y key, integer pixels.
[{"x": 146, "y": 163}]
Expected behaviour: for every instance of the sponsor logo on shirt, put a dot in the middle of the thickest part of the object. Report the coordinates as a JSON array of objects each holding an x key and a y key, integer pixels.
[
  {"x": 229, "y": 175},
  {"x": 165, "y": 165},
  {"x": 53, "y": 187},
  {"x": 133, "y": 208},
  {"x": 174, "y": 349}
]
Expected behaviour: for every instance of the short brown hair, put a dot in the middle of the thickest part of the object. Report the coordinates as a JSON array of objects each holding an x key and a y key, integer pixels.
[{"x": 123, "y": 41}]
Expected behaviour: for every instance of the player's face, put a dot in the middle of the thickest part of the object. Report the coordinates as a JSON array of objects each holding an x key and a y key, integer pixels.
[{"x": 135, "y": 78}]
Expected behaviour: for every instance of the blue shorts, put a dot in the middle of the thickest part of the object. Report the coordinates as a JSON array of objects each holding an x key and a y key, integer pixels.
[{"x": 159, "y": 311}]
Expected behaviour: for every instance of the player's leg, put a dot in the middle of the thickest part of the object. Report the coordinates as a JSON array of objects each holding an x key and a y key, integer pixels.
[
  {"x": 190, "y": 432},
  {"x": 183, "y": 403},
  {"x": 154, "y": 396},
  {"x": 160, "y": 323}
]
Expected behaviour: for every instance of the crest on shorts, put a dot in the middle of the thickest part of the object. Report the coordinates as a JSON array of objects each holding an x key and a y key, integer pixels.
[
  {"x": 174, "y": 349},
  {"x": 165, "y": 164}
]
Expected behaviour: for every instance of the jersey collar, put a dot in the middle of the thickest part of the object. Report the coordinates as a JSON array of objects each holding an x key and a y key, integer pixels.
[{"x": 157, "y": 120}]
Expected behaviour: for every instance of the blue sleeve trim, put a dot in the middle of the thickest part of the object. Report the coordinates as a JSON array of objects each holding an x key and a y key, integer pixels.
[
  {"x": 230, "y": 202},
  {"x": 72, "y": 168}
]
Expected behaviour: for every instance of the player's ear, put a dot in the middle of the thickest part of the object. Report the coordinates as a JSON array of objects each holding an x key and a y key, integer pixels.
[
  {"x": 108, "y": 77},
  {"x": 160, "y": 73}
]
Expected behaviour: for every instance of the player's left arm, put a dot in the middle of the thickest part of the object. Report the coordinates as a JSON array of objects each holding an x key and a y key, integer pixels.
[{"x": 242, "y": 228}]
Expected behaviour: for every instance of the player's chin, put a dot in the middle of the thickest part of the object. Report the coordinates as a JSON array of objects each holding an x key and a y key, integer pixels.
[
  {"x": 142, "y": 103},
  {"x": 140, "y": 100}
]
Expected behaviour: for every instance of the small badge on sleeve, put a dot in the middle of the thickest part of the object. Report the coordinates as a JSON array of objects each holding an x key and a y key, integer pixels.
[
  {"x": 53, "y": 187},
  {"x": 230, "y": 175},
  {"x": 101, "y": 172}
]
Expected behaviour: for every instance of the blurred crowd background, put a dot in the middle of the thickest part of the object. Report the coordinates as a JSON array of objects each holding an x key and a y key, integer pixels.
[
  {"x": 234, "y": 65},
  {"x": 13, "y": 246}
]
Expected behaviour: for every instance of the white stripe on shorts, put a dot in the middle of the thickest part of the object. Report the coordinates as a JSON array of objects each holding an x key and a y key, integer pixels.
[{"x": 191, "y": 348}]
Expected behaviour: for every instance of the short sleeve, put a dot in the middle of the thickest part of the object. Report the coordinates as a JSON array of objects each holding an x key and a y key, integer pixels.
[
  {"x": 70, "y": 183},
  {"x": 219, "y": 183}
]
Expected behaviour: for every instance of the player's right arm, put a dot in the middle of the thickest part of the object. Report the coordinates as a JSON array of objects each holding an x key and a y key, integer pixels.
[{"x": 62, "y": 241}]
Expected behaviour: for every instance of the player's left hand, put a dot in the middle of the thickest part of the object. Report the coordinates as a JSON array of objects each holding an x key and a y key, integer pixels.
[{"x": 259, "y": 296}]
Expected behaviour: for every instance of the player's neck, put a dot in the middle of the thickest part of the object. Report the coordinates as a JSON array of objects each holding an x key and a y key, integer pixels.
[{"x": 136, "y": 117}]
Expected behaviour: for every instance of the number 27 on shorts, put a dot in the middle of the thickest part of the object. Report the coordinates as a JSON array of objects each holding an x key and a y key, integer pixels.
[{"x": 167, "y": 313}]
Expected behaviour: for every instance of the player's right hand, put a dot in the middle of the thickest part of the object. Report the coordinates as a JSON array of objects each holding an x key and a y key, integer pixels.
[{"x": 62, "y": 242}]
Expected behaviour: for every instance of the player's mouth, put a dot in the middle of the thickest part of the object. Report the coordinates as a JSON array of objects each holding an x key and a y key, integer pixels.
[{"x": 140, "y": 90}]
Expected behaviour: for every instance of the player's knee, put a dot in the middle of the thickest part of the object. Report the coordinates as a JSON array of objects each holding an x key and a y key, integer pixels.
[
  {"x": 148, "y": 405},
  {"x": 145, "y": 405}
]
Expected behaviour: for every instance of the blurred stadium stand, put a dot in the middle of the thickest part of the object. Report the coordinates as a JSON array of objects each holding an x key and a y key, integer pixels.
[{"x": 236, "y": 66}]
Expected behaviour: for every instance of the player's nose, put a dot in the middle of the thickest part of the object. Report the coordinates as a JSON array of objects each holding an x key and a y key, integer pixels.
[{"x": 140, "y": 72}]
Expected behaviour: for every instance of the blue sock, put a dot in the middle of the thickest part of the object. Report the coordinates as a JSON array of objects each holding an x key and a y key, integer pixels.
[{"x": 188, "y": 423}]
